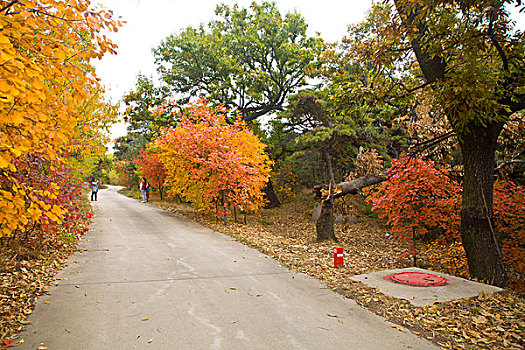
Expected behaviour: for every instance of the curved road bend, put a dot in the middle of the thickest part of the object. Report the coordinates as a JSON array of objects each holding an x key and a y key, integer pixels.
[{"x": 145, "y": 278}]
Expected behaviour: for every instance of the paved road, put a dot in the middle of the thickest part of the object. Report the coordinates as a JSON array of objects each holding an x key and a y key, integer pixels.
[{"x": 148, "y": 279}]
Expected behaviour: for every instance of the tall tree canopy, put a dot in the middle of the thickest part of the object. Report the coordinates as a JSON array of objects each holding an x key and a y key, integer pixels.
[
  {"x": 47, "y": 91},
  {"x": 468, "y": 57},
  {"x": 143, "y": 112},
  {"x": 248, "y": 59}
]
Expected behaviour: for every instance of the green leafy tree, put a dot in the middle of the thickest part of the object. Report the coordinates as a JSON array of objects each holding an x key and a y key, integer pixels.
[
  {"x": 148, "y": 108},
  {"x": 324, "y": 123},
  {"x": 127, "y": 149},
  {"x": 248, "y": 59}
]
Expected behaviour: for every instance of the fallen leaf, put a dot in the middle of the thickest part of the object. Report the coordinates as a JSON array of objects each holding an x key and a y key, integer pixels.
[{"x": 398, "y": 327}]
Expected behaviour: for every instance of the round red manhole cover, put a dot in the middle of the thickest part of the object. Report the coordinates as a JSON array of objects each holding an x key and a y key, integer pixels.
[{"x": 417, "y": 279}]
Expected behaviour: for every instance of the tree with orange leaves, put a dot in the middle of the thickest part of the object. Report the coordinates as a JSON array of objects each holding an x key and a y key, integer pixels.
[
  {"x": 416, "y": 198},
  {"x": 149, "y": 166},
  {"x": 211, "y": 163}
]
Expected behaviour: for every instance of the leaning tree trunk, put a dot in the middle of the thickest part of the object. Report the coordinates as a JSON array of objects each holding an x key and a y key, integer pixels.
[
  {"x": 325, "y": 222},
  {"x": 477, "y": 230},
  {"x": 350, "y": 187}
]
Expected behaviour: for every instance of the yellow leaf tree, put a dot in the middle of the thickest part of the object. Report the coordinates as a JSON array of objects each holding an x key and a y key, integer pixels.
[{"x": 45, "y": 77}]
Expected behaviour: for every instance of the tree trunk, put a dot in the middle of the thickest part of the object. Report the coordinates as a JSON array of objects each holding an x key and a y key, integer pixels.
[
  {"x": 325, "y": 223},
  {"x": 478, "y": 145},
  {"x": 484, "y": 257},
  {"x": 350, "y": 187},
  {"x": 270, "y": 196},
  {"x": 224, "y": 208}
]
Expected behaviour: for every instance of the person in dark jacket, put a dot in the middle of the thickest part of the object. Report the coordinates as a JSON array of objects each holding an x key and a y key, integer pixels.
[{"x": 94, "y": 189}]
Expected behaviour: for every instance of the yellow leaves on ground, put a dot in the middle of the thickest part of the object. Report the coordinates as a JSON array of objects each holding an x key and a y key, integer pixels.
[{"x": 489, "y": 321}]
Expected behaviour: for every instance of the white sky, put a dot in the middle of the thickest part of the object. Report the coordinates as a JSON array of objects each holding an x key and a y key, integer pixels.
[{"x": 150, "y": 21}]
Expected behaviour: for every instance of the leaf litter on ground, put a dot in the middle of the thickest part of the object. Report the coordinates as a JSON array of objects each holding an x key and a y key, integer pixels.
[{"x": 489, "y": 321}]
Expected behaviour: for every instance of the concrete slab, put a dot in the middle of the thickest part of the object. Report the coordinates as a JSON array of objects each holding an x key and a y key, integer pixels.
[{"x": 457, "y": 288}]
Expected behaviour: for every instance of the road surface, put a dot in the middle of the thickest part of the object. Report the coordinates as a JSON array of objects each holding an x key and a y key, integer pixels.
[{"x": 148, "y": 279}]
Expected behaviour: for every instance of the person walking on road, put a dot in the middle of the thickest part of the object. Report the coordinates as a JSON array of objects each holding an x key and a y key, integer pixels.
[
  {"x": 142, "y": 186},
  {"x": 94, "y": 189},
  {"x": 148, "y": 188}
]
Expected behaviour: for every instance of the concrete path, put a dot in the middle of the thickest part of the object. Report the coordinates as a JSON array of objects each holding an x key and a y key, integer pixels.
[{"x": 147, "y": 279}]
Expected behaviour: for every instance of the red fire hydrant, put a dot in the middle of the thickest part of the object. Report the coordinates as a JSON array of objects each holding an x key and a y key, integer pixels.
[{"x": 338, "y": 257}]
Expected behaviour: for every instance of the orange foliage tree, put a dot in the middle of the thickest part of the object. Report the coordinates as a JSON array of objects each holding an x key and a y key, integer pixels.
[
  {"x": 149, "y": 166},
  {"x": 509, "y": 220},
  {"x": 45, "y": 79},
  {"x": 417, "y": 198},
  {"x": 209, "y": 162}
]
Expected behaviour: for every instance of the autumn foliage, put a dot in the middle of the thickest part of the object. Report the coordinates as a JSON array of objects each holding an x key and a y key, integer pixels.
[
  {"x": 149, "y": 166},
  {"x": 285, "y": 182},
  {"x": 416, "y": 198},
  {"x": 211, "y": 163},
  {"x": 46, "y": 90},
  {"x": 509, "y": 219}
]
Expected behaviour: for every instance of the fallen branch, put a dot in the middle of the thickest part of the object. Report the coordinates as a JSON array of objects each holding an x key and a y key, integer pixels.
[{"x": 321, "y": 192}]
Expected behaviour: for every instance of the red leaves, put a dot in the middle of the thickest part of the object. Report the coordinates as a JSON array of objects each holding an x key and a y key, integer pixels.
[
  {"x": 51, "y": 201},
  {"x": 509, "y": 219},
  {"x": 8, "y": 342},
  {"x": 420, "y": 197},
  {"x": 417, "y": 196},
  {"x": 150, "y": 166}
]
